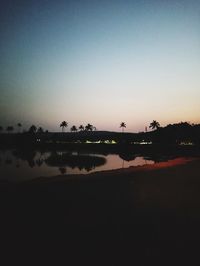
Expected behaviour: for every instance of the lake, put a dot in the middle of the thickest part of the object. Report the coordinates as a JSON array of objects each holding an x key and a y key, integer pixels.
[{"x": 17, "y": 165}]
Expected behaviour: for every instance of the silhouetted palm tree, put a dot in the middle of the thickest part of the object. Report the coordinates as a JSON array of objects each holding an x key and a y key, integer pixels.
[
  {"x": 40, "y": 130},
  {"x": 154, "y": 125},
  {"x": 19, "y": 126},
  {"x": 89, "y": 127},
  {"x": 123, "y": 125},
  {"x": 63, "y": 125},
  {"x": 32, "y": 129},
  {"x": 10, "y": 128},
  {"x": 81, "y": 127},
  {"x": 73, "y": 129}
]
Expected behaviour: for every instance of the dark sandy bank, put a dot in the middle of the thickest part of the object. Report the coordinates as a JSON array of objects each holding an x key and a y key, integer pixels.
[{"x": 137, "y": 216}]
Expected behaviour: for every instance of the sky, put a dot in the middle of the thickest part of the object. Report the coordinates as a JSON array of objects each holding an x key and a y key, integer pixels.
[{"x": 99, "y": 62}]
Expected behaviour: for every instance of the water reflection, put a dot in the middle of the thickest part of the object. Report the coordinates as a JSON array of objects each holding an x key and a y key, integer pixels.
[
  {"x": 87, "y": 162},
  {"x": 25, "y": 155},
  {"x": 28, "y": 164},
  {"x": 62, "y": 170},
  {"x": 127, "y": 156},
  {"x": 39, "y": 162}
]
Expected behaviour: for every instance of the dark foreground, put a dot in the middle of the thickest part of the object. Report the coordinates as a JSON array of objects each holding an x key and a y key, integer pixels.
[{"x": 147, "y": 217}]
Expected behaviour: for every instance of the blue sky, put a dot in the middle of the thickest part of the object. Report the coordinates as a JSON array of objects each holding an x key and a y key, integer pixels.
[{"x": 99, "y": 62}]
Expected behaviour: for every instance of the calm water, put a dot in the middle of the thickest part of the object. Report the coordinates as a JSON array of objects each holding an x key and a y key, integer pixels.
[{"x": 17, "y": 166}]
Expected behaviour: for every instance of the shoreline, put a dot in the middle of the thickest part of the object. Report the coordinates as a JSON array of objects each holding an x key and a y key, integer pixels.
[
  {"x": 173, "y": 184},
  {"x": 131, "y": 170}
]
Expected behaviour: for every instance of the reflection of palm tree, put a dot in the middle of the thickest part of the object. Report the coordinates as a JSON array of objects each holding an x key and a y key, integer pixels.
[
  {"x": 31, "y": 163},
  {"x": 83, "y": 161},
  {"x": 42, "y": 155},
  {"x": 81, "y": 127},
  {"x": 89, "y": 168},
  {"x": 62, "y": 170},
  {"x": 63, "y": 125},
  {"x": 127, "y": 156},
  {"x": 123, "y": 125},
  {"x": 26, "y": 155},
  {"x": 73, "y": 129},
  {"x": 154, "y": 125},
  {"x": 39, "y": 162}
]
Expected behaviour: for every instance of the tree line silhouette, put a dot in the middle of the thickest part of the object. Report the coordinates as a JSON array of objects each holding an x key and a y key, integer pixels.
[
  {"x": 88, "y": 127},
  {"x": 179, "y": 133},
  {"x": 63, "y": 125}
]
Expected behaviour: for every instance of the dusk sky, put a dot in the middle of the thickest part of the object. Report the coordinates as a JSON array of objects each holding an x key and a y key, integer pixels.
[{"x": 99, "y": 62}]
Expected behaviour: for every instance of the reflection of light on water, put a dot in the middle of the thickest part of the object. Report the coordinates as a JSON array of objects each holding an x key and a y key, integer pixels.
[
  {"x": 115, "y": 162},
  {"x": 173, "y": 162},
  {"x": 139, "y": 161}
]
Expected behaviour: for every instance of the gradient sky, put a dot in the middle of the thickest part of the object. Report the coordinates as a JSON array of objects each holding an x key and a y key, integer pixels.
[{"x": 99, "y": 62}]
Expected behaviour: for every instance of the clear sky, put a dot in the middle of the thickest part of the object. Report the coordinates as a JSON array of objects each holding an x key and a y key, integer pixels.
[{"x": 99, "y": 62}]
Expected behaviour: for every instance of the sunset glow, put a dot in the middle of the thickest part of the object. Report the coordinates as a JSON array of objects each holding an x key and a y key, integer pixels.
[{"x": 99, "y": 62}]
